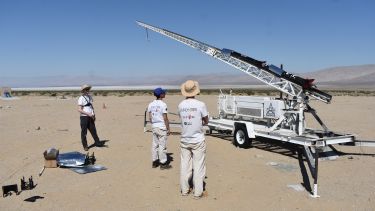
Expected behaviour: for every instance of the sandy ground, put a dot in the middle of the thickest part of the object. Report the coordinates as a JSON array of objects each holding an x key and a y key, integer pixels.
[{"x": 237, "y": 179}]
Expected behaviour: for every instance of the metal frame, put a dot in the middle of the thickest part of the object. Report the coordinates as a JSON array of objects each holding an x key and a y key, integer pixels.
[{"x": 278, "y": 83}]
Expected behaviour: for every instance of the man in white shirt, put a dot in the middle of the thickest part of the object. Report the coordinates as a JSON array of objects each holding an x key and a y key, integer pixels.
[
  {"x": 87, "y": 117},
  {"x": 157, "y": 111},
  {"x": 194, "y": 116}
]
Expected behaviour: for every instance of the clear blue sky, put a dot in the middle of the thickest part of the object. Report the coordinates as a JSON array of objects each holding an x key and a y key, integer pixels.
[{"x": 100, "y": 37}]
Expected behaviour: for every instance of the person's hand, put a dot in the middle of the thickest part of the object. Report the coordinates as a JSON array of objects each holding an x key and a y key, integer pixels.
[{"x": 93, "y": 117}]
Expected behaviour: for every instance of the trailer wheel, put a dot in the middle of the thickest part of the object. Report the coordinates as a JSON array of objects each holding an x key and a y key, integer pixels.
[{"x": 240, "y": 137}]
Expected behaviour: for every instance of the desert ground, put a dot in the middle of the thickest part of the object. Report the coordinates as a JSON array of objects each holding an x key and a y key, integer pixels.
[{"x": 237, "y": 179}]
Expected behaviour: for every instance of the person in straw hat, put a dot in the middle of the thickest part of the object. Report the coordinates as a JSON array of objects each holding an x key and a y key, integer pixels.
[
  {"x": 194, "y": 116},
  {"x": 87, "y": 117}
]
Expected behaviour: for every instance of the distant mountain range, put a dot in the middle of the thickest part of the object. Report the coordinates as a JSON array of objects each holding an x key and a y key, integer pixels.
[
  {"x": 352, "y": 76},
  {"x": 360, "y": 76}
]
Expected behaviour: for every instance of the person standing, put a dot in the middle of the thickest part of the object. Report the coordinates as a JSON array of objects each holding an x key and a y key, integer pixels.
[
  {"x": 87, "y": 117},
  {"x": 158, "y": 116},
  {"x": 194, "y": 116}
]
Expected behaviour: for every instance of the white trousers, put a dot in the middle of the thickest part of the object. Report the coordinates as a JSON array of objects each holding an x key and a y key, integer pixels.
[
  {"x": 159, "y": 145},
  {"x": 193, "y": 161}
]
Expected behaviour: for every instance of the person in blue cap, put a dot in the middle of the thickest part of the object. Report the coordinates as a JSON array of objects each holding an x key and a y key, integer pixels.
[{"x": 158, "y": 117}]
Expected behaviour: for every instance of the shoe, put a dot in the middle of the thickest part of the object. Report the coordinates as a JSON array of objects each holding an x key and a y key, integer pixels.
[
  {"x": 204, "y": 194},
  {"x": 185, "y": 194},
  {"x": 155, "y": 164},
  {"x": 164, "y": 166},
  {"x": 100, "y": 144}
]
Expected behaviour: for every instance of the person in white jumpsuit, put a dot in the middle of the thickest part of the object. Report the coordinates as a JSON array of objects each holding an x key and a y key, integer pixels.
[
  {"x": 194, "y": 116},
  {"x": 157, "y": 111}
]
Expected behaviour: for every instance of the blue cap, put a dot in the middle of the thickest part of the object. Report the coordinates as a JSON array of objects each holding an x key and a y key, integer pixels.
[{"x": 159, "y": 91}]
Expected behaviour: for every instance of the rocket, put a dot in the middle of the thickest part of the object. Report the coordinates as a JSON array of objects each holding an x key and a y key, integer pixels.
[{"x": 304, "y": 83}]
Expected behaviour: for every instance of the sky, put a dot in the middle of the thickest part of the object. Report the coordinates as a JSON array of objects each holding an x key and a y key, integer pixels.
[{"x": 101, "y": 37}]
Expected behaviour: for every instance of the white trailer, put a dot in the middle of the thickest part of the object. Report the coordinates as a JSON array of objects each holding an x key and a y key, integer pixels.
[{"x": 248, "y": 117}]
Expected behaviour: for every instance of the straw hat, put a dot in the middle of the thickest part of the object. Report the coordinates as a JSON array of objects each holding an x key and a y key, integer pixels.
[
  {"x": 85, "y": 86},
  {"x": 190, "y": 88}
]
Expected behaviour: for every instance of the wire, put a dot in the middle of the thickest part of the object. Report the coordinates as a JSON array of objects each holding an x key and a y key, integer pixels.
[{"x": 147, "y": 34}]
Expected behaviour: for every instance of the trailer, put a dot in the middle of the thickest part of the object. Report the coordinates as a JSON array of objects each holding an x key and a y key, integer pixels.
[
  {"x": 248, "y": 117},
  {"x": 277, "y": 118}
]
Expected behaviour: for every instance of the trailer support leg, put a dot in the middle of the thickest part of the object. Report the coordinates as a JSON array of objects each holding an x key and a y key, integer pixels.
[
  {"x": 313, "y": 162},
  {"x": 315, "y": 189}
]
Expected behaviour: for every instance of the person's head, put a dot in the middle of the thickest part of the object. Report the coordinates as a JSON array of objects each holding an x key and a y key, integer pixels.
[
  {"x": 159, "y": 93},
  {"x": 190, "y": 89},
  {"x": 85, "y": 88}
]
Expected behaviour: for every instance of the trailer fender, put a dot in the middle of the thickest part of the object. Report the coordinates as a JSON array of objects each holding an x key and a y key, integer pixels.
[{"x": 250, "y": 129}]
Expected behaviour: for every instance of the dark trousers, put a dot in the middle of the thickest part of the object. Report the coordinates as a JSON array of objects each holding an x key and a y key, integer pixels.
[{"x": 88, "y": 123}]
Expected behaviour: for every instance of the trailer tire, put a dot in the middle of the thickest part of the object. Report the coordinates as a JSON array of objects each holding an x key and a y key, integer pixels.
[{"x": 241, "y": 138}]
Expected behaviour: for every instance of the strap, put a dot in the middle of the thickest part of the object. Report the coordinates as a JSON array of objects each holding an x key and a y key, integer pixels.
[{"x": 88, "y": 102}]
